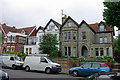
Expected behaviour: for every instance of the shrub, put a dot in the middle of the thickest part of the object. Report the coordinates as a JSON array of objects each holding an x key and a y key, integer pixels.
[{"x": 82, "y": 58}]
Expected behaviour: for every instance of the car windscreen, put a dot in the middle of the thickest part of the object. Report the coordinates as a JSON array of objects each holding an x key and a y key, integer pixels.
[{"x": 18, "y": 58}]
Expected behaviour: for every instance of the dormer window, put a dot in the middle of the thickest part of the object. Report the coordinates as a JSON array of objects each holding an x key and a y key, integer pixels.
[
  {"x": 69, "y": 24},
  {"x": 23, "y": 32},
  {"x": 102, "y": 27}
]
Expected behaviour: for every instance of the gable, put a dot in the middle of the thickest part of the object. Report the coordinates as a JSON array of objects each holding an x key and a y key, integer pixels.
[
  {"x": 51, "y": 26},
  {"x": 52, "y": 23},
  {"x": 83, "y": 25},
  {"x": 69, "y": 19}
]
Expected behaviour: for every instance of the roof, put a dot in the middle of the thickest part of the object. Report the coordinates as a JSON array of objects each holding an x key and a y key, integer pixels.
[
  {"x": 40, "y": 28},
  {"x": 15, "y": 30},
  {"x": 95, "y": 27},
  {"x": 56, "y": 23}
]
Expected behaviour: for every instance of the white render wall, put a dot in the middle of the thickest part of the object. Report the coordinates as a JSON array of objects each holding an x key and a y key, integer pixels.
[
  {"x": 33, "y": 47},
  {"x": 47, "y": 31}
]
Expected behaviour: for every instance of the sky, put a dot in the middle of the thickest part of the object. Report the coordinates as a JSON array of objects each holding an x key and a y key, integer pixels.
[{"x": 27, "y": 13}]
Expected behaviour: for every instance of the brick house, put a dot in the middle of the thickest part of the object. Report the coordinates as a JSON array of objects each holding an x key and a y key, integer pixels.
[
  {"x": 14, "y": 39},
  {"x": 88, "y": 40}
]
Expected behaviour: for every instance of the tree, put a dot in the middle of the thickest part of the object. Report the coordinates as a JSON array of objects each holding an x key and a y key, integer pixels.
[
  {"x": 48, "y": 45},
  {"x": 117, "y": 43},
  {"x": 111, "y": 14}
]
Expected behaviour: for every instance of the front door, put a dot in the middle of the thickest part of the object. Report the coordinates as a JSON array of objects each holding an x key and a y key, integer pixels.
[{"x": 84, "y": 52}]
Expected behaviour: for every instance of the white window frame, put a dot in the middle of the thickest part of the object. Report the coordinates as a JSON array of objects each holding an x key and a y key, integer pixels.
[
  {"x": 13, "y": 48},
  {"x": 74, "y": 51},
  {"x": 105, "y": 40},
  {"x": 101, "y": 28},
  {"x": 69, "y": 24},
  {"x": 12, "y": 38},
  {"x": 101, "y": 40},
  {"x": 9, "y": 38},
  {"x": 8, "y": 47}
]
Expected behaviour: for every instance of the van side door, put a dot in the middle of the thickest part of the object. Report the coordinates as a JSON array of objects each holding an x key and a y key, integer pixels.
[
  {"x": 43, "y": 63},
  {"x": 11, "y": 61}
]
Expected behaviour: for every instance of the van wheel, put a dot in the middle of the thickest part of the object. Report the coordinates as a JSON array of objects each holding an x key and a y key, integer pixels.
[
  {"x": 27, "y": 68},
  {"x": 13, "y": 67},
  {"x": 47, "y": 70},
  {"x": 75, "y": 73}
]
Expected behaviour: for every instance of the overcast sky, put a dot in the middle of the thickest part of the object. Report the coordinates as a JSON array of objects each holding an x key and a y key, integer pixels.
[{"x": 26, "y": 13}]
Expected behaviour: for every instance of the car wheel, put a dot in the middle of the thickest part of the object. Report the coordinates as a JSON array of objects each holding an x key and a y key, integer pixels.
[
  {"x": 27, "y": 68},
  {"x": 13, "y": 67},
  {"x": 48, "y": 71},
  {"x": 75, "y": 73}
]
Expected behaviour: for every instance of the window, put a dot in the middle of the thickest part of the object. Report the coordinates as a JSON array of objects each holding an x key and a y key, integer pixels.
[
  {"x": 87, "y": 65},
  {"x": 101, "y": 52},
  {"x": 74, "y": 51},
  {"x": 65, "y": 36},
  {"x": 8, "y": 48},
  {"x": 74, "y": 35},
  {"x": 97, "y": 51},
  {"x": 9, "y": 37},
  {"x": 107, "y": 51},
  {"x": 69, "y": 24},
  {"x": 101, "y": 28},
  {"x": 84, "y": 35},
  {"x": 96, "y": 65},
  {"x": 69, "y": 51},
  {"x": 52, "y": 27},
  {"x": 12, "y": 58},
  {"x": 13, "y": 38},
  {"x": 105, "y": 39},
  {"x": 69, "y": 35},
  {"x": 91, "y": 52},
  {"x": 30, "y": 50},
  {"x": 43, "y": 60},
  {"x": 26, "y": 50},
  {"x": 12, "y": 48},
  {"x": 40, "y": 38},
  {"x": 101, "y": 40},
  {"x": 65, "y": 50}
]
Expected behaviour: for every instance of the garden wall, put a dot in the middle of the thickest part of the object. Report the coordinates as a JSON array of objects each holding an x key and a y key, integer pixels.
[{"x": 66, "y": 63}]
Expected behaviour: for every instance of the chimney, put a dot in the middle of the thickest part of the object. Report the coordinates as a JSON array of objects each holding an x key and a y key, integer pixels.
[
  {"x": 64, "y": 18},
  {"x": 14, "y": 27}
]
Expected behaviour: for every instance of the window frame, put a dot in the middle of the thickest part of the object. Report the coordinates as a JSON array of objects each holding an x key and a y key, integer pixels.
[
  {"x": 74, "y": 35},
  {"x": 83, "y": 35},
  {"x": 105, "y": 40},
  {"x": 100, "y": 39},
  {"x": 69, "y": 24},
  {"x": 65, "y": 36}
]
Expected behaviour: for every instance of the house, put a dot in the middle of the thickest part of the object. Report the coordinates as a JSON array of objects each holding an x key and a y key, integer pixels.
[
  {"x": 30, "y": 47},
  {"x": 52, "y": 27},
  {"x": 88, "y": 40},
  {"x": 15, "y": 39}
]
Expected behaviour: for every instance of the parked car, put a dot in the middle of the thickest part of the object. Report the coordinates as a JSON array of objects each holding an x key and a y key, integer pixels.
[
  {"x": 40, "y": 63},
  {"x": 12, "y": 61},
  {"x": 3, "y": 75},
  {"x": 89, "y": 68}
]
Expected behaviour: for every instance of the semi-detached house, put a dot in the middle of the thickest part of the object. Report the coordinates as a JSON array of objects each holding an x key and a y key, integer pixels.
[
  {"x": 88, "y": 40},
  {"x": 15, "y": 39}
]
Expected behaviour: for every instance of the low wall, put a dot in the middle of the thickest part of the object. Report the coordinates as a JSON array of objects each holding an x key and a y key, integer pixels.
[{"x": 66, "y": 63}]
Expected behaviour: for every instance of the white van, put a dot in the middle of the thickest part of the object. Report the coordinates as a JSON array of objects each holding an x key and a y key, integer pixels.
[
  {"x": 11, "y": 61},
  {"x": 40, "y": 63}
]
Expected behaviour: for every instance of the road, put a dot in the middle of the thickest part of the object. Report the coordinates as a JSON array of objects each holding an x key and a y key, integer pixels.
[
  {"x": 37, "y": 75},
  {"x": 18, "y": 74}
]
